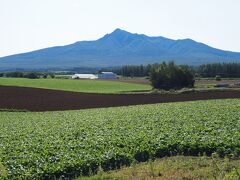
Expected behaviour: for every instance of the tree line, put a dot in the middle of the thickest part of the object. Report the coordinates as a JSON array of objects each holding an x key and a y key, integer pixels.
[
  {"x": 30, "y": 75},
  {"x": 224, "y": 70}
]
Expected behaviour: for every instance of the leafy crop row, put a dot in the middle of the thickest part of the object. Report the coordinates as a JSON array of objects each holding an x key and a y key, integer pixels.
[{"x": 69, "y": 143}]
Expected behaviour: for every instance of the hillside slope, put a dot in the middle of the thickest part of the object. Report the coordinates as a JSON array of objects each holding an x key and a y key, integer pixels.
[{"x": 120, "y": 48}]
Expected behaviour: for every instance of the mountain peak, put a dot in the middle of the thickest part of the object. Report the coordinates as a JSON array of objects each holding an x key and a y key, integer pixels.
[
  {"x": 119, "y": 37},
  {"x": 119, "y": 31}
]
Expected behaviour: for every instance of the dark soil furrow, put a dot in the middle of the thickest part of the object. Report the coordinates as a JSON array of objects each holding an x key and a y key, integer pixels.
[{"x": 34, "y": 99}]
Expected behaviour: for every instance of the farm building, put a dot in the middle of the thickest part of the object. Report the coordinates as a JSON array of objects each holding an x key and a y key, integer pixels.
[
  {"x": 84, "y": 76},
  {"x": 102, "y": 75},
  {"x": 107, "y": 75}
]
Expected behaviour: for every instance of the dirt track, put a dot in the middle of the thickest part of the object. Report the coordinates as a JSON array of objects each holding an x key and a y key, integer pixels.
[{"x": 34, "y": 99}]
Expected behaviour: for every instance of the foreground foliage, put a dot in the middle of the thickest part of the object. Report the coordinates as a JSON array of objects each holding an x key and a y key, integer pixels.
[
  {"x": 176, "y": 167},
  {"x": 70, "y": 143},
  {"x": 92, "y": 86}
]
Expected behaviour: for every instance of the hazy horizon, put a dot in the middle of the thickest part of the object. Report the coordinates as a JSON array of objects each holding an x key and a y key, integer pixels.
[{"x": 33, "y": 24}]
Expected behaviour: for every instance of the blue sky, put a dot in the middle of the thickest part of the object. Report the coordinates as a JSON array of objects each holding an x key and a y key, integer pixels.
[{"x": 27, "y": 25}]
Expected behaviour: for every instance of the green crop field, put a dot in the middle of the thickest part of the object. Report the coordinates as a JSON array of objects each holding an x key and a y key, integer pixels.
[
  {"x": 91, "y": 86},
  {"x": 69, "y": 143}
]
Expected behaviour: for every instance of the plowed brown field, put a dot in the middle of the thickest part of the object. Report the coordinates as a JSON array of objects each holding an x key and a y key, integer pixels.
[{"x": 34, "y": 99}]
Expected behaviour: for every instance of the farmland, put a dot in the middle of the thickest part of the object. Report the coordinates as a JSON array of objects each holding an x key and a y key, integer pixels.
[
  {"x": 90, "y": 86},
  {"x": 70, "y": 143},
  {"x": 36, "y": 99}
]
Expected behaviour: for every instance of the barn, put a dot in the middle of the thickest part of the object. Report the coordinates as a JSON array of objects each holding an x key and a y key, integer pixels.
[
  {"x": 107, "y": 75},
  {"x": 84, "y": 76}
]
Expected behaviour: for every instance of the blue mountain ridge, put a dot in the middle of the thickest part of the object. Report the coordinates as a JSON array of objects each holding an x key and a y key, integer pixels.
[{"x": 120, "y": 48}]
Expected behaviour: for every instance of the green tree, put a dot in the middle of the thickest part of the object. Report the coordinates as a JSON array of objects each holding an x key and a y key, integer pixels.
[
  {"x": 31, "y": 75},
  {"x": 44, "y": 76},
  {"x": 170, "y": 76},
  {"x": 52, "y": 75},
  {"x": 14, "y": 74},
  {"x": 218, "y": 78}
]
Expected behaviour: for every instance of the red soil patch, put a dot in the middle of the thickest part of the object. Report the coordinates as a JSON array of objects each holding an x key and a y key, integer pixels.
[{"x": 34, "y": 99}]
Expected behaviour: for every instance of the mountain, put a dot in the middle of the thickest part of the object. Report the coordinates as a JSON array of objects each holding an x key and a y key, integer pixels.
[{"x": 119, "y": 48}]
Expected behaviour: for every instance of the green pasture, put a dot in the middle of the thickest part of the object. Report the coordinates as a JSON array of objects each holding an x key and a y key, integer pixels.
[
  {"x": 89, "y": 86},
  {"x": 176, "y": 167}
]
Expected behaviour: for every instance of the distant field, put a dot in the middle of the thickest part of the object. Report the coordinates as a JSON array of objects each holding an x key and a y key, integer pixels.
[
  {"x": 69, "y": 143},
  {"x": 91, "y": 86}
]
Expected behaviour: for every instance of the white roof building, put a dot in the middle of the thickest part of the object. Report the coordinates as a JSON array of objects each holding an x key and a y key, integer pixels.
[
  {"x": 107, "y": 75},
  {"x": 84, "y": 76},
  {"x": 102, "y": 75}
]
